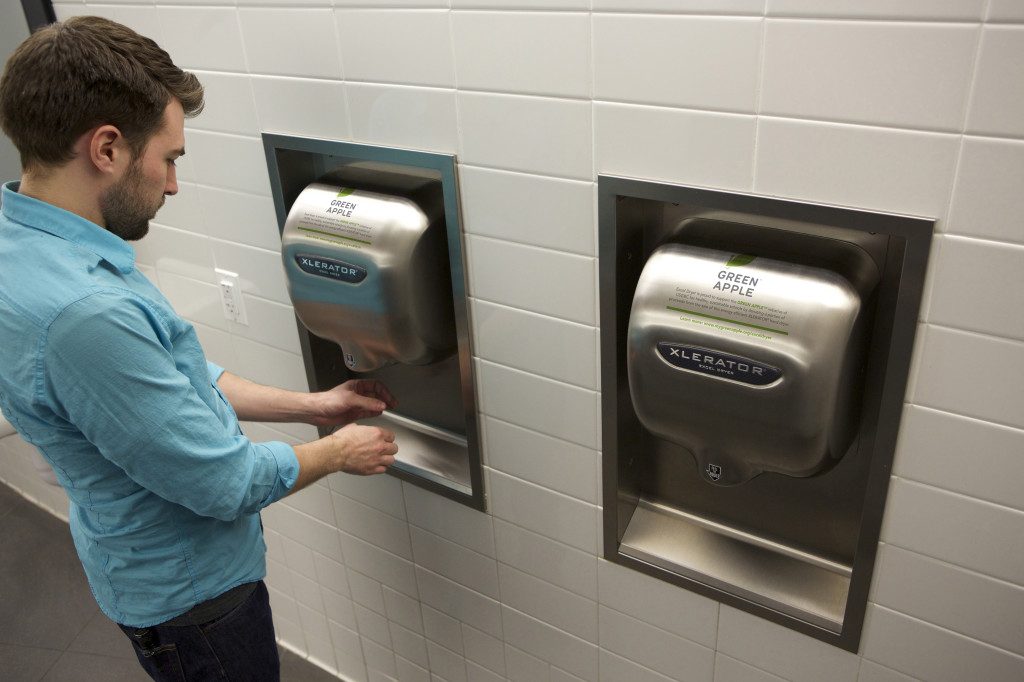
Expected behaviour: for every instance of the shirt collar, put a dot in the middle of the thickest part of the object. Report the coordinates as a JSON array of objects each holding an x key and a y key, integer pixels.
[{"x": 74, "y": 228}]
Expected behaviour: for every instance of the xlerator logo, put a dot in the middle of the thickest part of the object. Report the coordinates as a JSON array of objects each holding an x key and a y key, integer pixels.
[
  {"x": 330, "y": 268},
  {"x": 718, "y": 364}
]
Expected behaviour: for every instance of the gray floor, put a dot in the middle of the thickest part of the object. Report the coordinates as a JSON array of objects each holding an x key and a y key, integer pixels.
[{"x": 50, "y": 627}]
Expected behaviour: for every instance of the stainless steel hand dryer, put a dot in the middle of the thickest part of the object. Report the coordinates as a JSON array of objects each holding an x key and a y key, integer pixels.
[
  {"x": 750, "y": 363},
  {"x": 370, "y": 272}
]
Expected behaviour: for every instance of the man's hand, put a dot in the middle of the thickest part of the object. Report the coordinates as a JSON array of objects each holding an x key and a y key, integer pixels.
[
  {"x": 364, "y": 450},
  {"x": 354, "y": 449},
  {"x": 352, "y": 400}
]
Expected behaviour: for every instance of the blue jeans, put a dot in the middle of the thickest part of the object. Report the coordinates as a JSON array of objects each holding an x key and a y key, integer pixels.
[{"x": 239, "y": 645}]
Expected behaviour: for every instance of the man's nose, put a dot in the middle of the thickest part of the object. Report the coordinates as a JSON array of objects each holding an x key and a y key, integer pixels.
[{"x": 171, "y": 188}]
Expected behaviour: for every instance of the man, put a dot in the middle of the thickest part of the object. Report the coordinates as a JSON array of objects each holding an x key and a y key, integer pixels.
[{"x": 100, "y": 374}]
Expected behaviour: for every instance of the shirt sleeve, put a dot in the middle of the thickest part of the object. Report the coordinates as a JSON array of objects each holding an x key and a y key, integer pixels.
[
  {"x": 215, "y": 371},
  {"x": 109, "y": 365}
]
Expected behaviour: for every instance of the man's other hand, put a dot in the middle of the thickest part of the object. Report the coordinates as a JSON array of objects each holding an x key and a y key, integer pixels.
[
  {"x": 352, "y": 400},
  {"x": 363, "y": 450}
]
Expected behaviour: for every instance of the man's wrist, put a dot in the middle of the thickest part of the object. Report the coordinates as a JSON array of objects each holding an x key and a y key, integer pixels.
[{"x": 314, "y": 409}]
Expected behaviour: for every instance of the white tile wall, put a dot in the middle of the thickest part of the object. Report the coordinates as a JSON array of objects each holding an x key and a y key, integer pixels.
[
  {"x": 908, "y": 106},
  {"x": 535, "y": 343},
  {"x": 781, "y": 651},
  {"x": 997, "y": 106},
  {"x": 675, "y": 145},
  {"x": 927, "y": 652},
  {"x": 290, "y": 42},
  {"x": 951, "y": 527},
  {"x": 966, "y": 602},
  {"x": 490, "y": 54},
  {"x": 873, "y": 672},
  {"x": 228, "y": 161},
  {"x": 693, "y": 62},
  {"x": 232, "y": 216},
  {"x": 530, "y": 134},
  {"x": 940, "y": 449},
  {"x": 847, "y": 71},
  {"x": 370, "y": 51},
  {"x": 544, "y": 512},
  {"x": 963, "y": 10},
  {"x": 551, "y": 561},
  {"x": 183, "y": 212},
  {"x": 453, "y": 561},
  {"x": 207, "y": 38},
  {"x": 728, "y": 669},
  {"x": 459, "y": 602},
  {"x": 546, "y": 212},
  {"x": 660, "y": 650},
  {"x": 549, "y": 462},
  {"x": 865, "y": 167},
  {"x": 524, "y": 277},
  {"x": 403, "y": 116},
  {"x": 986, "y": 201},
  {"x": 1005, "y": 10},
  {"x": 555, "y": 409},
  {"x": 309, "y": 108},
  {"x": 970, "y": 289},
  {"x": 178, "y": 252},
  {"x": 548, "y": 643},
  {"x": 680, "y": 612},
  {"x": 683, "y": 6},
  {"x": 229, "y": 105},
  {"x": 985, "y": 388}
]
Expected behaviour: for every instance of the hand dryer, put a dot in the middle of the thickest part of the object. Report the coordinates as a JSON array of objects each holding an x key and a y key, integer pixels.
[
  {"x": 750, "y": 363},
  {"x": 369, "y": 271}
]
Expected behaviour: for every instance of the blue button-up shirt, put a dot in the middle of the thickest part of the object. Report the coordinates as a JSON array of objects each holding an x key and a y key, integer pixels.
[{"x": 99, "y": 373}]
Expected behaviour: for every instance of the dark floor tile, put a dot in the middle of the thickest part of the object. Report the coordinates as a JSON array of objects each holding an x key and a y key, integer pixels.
[
  {"x": 44, "y": 598},
  {"x": 73, "y": 666},
  {"x": 294, "y": 668},
  {"x": 9, "y": 498},
  {"x": 101, "y": 636},
  {"x": 25, "y": 663}
]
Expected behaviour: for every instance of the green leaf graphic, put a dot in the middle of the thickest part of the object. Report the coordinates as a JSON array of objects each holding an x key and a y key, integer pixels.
[
  {"x": 739, "y": 259},
  {"x": 345, "y": 191}
]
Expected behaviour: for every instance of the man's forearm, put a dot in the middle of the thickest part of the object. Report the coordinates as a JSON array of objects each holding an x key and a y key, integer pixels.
[{"x": 256, "y": 402}]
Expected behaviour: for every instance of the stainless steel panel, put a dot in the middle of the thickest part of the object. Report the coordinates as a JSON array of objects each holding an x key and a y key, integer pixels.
[
  {"x": 429, "y": 452},
  {"x": 782, "y": 578},
  {"x": 370, "y": 272},
  {"x": 745, "y": 361},
  {"x": 798, "y": 551},
  {"x": 438, "y": 398}
]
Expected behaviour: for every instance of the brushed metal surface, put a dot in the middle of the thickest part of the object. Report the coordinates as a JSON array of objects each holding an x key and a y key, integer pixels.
[
  {"x": 440, "y": 394},
  {"x": 776, "y": 546},
  {"x": 401, "y": 308},
  {"x": 768, "y": 346},
  {"x": 773, "y": 575},
  {"x": 427, "y": 451}
]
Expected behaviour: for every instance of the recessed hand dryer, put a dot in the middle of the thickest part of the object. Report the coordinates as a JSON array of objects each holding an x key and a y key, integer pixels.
[
  {"x": 370, "y": 272},
  {"x": 750, "y": 363},
  {"x": 753, "y": 334}
]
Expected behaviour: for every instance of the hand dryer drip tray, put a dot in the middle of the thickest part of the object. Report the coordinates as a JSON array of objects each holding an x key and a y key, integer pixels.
[
  {"x": 781, "y": 578},
  {"x": 428, "y": 452}
]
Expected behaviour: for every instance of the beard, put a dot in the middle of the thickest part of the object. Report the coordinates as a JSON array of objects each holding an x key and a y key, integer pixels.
[{"x": 124, "y": 207}]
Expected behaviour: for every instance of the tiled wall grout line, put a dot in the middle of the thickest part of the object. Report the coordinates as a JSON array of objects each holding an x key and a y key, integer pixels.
[
  {"x": 945, "y": 562},
  {"x": 954, "y": 632},
  {"x": 993, "y": 505}
]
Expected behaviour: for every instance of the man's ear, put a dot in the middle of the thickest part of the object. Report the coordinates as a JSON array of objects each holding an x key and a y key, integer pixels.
[{"x": 106, "y": 148}]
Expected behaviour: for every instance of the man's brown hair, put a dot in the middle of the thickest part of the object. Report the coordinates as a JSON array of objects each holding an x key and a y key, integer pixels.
[{"x": 73, "y": 76}]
